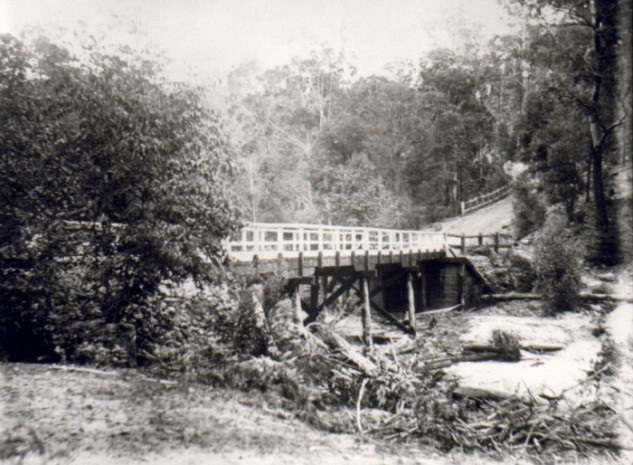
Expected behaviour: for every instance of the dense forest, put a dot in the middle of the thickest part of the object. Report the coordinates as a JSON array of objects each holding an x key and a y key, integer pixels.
[{"x": 317, "y": 144}]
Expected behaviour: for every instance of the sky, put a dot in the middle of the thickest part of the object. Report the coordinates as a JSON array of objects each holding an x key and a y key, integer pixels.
[{"x": 205, "y": 39}]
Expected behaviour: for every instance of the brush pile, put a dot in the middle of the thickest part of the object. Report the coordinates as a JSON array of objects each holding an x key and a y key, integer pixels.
[
  {"x": 340, "y": 387},
  {"x": 504, "y": 425},
  {"x": 399, "y": 392}
]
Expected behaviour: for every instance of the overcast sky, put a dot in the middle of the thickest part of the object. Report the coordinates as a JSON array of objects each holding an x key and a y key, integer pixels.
[{"x": 207, "y": 38}]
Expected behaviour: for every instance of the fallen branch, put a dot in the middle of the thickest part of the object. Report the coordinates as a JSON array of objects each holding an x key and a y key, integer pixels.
[{"x": 336, "y": 342}]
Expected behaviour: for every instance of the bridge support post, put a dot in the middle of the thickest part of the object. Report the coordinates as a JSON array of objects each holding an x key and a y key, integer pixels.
[
  {"x": 322, "y": 280},
  {"x": 461, "y": 284},
  {"x": 411, "y": 302},
  {"x": 422, "y": 287},
  {"x": 367, "y": 337},
  {"x": 298, "y": 308}
]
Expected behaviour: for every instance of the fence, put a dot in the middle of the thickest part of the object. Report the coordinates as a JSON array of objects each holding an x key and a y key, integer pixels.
[
  {"x": 464, "y": 242},
  {"x": 486, "y": 199},
  {"x": 268, "y": 240}
]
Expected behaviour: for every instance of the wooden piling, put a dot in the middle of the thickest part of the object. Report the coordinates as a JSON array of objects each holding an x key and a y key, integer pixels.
[
  {"x": 322, "y": 280},
  {"x": 367, "y": 337},
  {"x": 422, "y": 287},
  {"x": 411, "y": 301},
  {"x": 297, "y": 302}
]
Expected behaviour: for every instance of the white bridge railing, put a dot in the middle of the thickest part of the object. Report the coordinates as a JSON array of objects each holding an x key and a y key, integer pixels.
[
  {"x": 486, "y": 199},
  {"x": 268, "y": 240}
]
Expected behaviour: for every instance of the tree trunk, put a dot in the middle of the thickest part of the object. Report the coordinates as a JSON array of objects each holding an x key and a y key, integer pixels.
[{"x": 599, "y": 198}]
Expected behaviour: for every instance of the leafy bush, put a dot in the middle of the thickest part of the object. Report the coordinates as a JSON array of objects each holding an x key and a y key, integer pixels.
[
  {"x": 557, "y": 264},
  {"x": 528, "y": 208},
  {"x": 144, "y": 190},
  {"x": 506, "y": 345},
  {"x": 522, "y": 273}
]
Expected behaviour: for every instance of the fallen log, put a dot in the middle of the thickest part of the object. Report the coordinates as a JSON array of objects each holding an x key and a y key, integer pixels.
[
  {"x": 443, "y": 362},
  {"x": 591, "y": 297},
  {"x": 529, "y": 347},
  {"x": 481, "y": 393},
  {"x": 511, "y": 296},
  {"x": 337, "y": 342},
  {"x": 437, "y": 312},
  {"x": 586, "y": 296}
]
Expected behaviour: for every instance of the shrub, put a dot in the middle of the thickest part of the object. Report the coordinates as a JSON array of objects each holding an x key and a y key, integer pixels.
[
  {"x": 528, "y": 208},
  {"x": 145, "y": 190},
  {"x": 506, "y": 345},
  {"x": 557, "y": 264},
  {"x": 522, "y": 273}
]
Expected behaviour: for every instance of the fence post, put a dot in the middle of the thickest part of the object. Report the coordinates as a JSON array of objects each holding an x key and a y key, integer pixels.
[
  {"x": 462, "y": 208},
  {"x": 497, "y": 242},
  {"x": 463, "y": 244},
  {"x": 481, "y": 239}
]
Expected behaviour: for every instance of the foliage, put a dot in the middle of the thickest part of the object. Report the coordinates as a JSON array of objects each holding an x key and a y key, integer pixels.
[
  {"x": 528, "y": 208},
  {"x": 305, "y": 130},
  {"x": 104, "y": 150},
  {"x": 522, "y": 273},
  {"x": 607, "y": 362},
  {"x": 557, "y": 258},
  {"x": 507, "y": 345},
  {"x": 576, "y": 58},
  {"x": 550, "y": 130}
]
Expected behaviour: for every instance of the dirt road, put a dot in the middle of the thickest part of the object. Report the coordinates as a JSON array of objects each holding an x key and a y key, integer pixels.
[{"x": 488, "y": 220}]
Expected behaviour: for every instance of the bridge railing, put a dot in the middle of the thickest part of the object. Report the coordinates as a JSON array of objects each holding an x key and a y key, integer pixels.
[
  {"x": 486, "y": 199},
  {"x": 268, "y": 240}
]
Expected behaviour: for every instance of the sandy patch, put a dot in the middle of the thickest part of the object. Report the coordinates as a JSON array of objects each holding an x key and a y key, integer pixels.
[
  {"x": 550, "y": 374},
  {"x": 530, "y": 330}
]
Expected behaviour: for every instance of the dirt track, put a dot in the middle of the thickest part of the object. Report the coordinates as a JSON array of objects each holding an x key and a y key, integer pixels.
[{"x": 488, "y": 220}]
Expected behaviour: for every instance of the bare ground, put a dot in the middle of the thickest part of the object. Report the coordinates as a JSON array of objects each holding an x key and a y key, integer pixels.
[{"x": 66, "y": 415}]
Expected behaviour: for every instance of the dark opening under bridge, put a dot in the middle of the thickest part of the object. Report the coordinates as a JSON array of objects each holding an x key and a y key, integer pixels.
[{"x": 394, "y": 273}]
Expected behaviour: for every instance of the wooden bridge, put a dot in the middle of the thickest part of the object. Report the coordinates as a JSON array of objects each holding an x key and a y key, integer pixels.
[{"x": 394, "y": 273}]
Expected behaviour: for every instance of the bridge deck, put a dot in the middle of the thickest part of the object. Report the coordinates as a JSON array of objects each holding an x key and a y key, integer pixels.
[
  {"x": 389, "y": 271},
  {"x": 304, "y": 247}
]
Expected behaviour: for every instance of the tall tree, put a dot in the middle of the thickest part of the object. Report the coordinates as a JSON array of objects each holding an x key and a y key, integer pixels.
[{"x": 583, "y": 41}]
